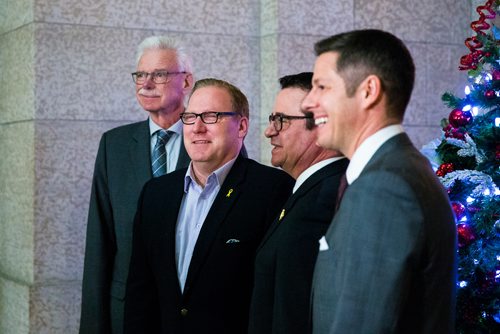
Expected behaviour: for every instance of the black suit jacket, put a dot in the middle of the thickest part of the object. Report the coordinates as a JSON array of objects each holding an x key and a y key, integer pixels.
[
  {"x": 285, "y": 260},
  {"x": 217, "y": 291},
  {"x": 122, "y": 166}
]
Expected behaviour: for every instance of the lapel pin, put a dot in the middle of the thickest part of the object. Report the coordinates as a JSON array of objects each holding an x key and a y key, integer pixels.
[
  {"x": 229, "y": 192},
  {"x": 282, "y": 214}
]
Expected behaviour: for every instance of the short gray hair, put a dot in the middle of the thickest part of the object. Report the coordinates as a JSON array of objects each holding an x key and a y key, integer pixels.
[{"x": 166, "y": 43}]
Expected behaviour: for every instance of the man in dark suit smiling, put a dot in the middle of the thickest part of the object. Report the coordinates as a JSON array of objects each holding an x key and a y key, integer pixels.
[
  {"x": 196, "y": 230},
  {"x": 285, "y": 259}
]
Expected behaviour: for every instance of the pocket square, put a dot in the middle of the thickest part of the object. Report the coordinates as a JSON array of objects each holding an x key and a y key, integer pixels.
[
  {"x": 232, "y": 241},
  {"x": 323, "y": 245}
]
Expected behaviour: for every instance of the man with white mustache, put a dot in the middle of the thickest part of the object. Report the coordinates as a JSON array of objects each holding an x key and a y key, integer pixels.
[{"x": 129, "y": 156}]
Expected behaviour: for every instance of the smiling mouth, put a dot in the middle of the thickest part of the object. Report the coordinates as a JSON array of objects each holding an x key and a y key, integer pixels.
[{"x": 320, "y": 120}]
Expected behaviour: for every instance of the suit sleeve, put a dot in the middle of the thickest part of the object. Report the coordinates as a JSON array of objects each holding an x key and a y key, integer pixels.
[
  {"x": 371, "y": 260},
  {"x": 99, "y": 252},
  {"x": 142, "y": 309}
]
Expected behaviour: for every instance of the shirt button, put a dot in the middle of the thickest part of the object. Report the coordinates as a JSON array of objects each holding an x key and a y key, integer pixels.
[{"x": 184, "y": 312}]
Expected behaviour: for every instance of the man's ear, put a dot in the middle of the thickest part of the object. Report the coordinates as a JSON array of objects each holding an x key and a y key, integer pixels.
[
  {"x": 243, "y": 129},
  {"x": 370, "y": 91},
  {"x": 188, "y": 83}
]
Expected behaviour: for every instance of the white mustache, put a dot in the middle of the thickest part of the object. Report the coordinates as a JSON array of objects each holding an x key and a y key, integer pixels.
[{"x": 148, "y": 92}]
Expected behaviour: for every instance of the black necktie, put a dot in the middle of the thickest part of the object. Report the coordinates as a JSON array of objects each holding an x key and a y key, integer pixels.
[{"x": 159, "y": 157}]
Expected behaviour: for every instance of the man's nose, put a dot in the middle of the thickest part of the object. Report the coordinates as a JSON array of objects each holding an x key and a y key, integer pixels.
[{"x": 270, "y": 131}]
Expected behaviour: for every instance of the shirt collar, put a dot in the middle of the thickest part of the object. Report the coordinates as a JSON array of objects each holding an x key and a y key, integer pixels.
[
  {"x": 217, "y": 177},
  {"x": 368, "y": 148},
  {"x": 313, "y": 169},
  {"x": 176, "y": 127}
]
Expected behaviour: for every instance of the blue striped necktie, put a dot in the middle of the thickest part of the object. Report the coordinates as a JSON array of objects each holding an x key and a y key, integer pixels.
[{"x": 159, "y": 157}]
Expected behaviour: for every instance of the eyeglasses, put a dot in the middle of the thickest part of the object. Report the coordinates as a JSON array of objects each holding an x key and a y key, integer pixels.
[
  {"x": 209, "y": 117},
  {"x": 159, "y": 77},
  {"x": 277, "y": 120}
]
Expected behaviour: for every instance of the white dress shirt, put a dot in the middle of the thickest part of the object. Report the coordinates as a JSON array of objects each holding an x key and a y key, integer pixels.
[
  {"x": 313, "y": 169},
  {"x": 368, "y": 148}
]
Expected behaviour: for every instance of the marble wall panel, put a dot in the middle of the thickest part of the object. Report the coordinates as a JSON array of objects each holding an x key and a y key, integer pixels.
[
  {"x": 235, "y": 17},
  {"x": 80, "y": 77},
  {"x": 16, "y": 201},
  {"x": 430, "y": 21},
  {"x": 55, "y": 308},
  {"x": 443, "y": 76},
  {"x": 64, "y": 164},
  {"x": 15, "y": 14},
  {"x": 320, "y": 17},
  {"x": 17, "y": 75},
  {"x": 269, "y": 88},
  {"x": 14, "y": 307},
  {"x": 296, "y": 53},
  {"x": 268, "y": 17},
  {"x": 416, "y": 112},
  {"x": 436, "y": 73}
]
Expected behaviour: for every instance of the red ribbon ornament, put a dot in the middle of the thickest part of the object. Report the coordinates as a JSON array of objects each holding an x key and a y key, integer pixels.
[{"x": 470, "y": 61}]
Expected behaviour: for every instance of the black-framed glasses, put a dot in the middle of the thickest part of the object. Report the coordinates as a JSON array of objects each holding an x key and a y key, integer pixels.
[
  {"x": 159, "y": 77},
  {"x": 209, "y": 117},
  {"x": 278, "y": 119}
]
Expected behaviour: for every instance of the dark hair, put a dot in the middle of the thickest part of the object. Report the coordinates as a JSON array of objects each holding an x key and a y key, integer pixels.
[
  {"x": 365, "y": 52},
  {"x": 301, "y": 80},
  {"x": 238, "y": 99}
]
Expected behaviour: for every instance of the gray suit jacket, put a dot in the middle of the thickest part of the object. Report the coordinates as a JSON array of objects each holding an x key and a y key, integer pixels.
[
  {"x": 122, "y": 166},
  {"x": 390, "y": 266}
]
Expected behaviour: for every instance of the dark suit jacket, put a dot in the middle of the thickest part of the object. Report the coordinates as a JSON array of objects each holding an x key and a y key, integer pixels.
[
  {"x": 390, "y": 266},
  {"x": 122, "y": 166},
  {"x": 217, "y": 291},
  {"x": 285, "y": 259}
]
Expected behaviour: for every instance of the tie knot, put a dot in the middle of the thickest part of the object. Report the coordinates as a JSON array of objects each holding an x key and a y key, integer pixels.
[{"x": 163, "y": 136}]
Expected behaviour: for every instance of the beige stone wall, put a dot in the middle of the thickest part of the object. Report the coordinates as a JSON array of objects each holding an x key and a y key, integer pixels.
[{"x": 65, "y": 78}]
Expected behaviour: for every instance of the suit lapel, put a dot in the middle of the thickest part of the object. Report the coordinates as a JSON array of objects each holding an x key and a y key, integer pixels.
[
  {"x": 398, "y": 142},
  {"x": 312, "y": 181},
  {"x": 286, "y": 209},
  {"x": 167, "y": 220},
  {"x": 226, "y": 198},
  {"x": 184, "y": 159},
  {"x": 139, "y": 153}
]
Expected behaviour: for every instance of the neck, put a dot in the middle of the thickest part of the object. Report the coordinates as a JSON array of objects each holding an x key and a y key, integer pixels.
[
  {"x": 166, "y": 119},
  {"x": 200, "y": 174},
  {"x": 318, "y": 155},
  {"x": 367, "y": 129}
]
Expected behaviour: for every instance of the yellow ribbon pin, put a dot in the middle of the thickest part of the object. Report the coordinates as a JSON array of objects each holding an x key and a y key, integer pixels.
[
  {"x": 282, "y": 214},
  {"x": 229, "y": 192}
]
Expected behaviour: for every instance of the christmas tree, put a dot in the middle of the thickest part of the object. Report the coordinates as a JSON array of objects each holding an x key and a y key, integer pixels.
[{"x": 467, "y": 161}]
